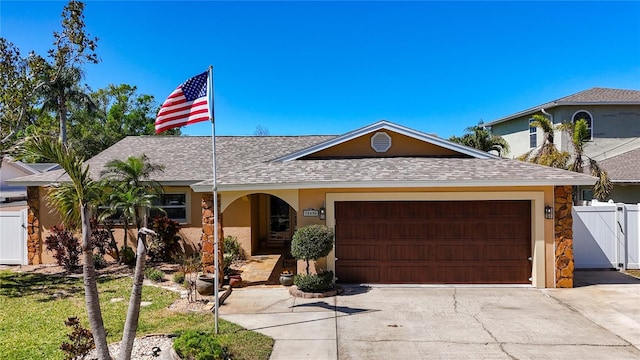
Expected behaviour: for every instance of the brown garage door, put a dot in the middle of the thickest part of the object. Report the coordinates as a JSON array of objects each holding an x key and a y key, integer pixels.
[{"x": 433, "y": 242}]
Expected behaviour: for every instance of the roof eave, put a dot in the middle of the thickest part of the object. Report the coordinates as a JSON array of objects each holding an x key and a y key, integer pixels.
[
  {"x": 554, "y": 104},
  {"x": 203, "y": 188}
]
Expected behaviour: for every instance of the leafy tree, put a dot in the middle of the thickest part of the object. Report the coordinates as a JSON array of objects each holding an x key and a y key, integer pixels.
[
  {"x": 481, "y": 138},
  {"x": 311, "y": 242},
  {"x": 121, "y": 112},
  {"x": 17, "y": 95},
  {"x": 261, "y": 131}
]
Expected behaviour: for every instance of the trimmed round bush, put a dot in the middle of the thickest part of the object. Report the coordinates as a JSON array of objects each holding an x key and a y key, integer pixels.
[{"x": 312, "y": 242}]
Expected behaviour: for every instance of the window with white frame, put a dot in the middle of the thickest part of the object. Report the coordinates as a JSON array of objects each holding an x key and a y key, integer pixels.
[
  {"x": 583, "y": 114},
  {"x": 533, "y": 134}
]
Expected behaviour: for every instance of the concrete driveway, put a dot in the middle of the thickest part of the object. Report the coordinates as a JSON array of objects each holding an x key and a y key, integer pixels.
[{"x": 588, "y": 322}]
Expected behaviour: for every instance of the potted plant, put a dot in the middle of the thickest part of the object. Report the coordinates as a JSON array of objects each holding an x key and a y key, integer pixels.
[
  {"x": 311, "y": 243},
  {"x": 286, "y": 278}
]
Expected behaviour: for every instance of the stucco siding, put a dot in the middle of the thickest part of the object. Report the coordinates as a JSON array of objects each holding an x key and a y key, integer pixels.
[{"x": 616, "y": 128}]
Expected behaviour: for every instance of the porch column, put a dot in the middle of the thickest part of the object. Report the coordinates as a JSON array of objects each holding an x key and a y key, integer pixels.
[
  {"x": 207, "y": 236},
  {"x": 34, "y": 235},
  {"x": 563, "y": 236}
]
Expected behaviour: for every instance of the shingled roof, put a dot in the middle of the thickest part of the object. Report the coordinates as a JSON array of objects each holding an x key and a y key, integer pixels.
[
  {"x": 624, "y": 168},
  {"x": 261, "y": 162},
  {"x": 593, "y": 96}
]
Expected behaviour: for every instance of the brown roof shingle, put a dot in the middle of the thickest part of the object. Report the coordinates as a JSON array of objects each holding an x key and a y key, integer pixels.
[{"x": 624, "y": 167}]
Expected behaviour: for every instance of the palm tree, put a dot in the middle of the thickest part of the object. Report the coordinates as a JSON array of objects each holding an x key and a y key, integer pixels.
[
  {"x": 579, "y": 133},
  {"x": 58, "y": 90},
  {"x": 133, "y": 193},
  {"x": 481, "y": 138},
  {"x": 547, "y": 153},
  {"x": 83, "y": 187},
  {"x": 131, "y": 189}
]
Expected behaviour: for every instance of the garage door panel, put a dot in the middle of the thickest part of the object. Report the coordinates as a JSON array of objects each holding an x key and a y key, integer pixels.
[
  {"x": 407, "y": 252},
  {"x": 359, "y": 252},
  {"x": 355, "y": 274},
  {"x": 408, "y": 274},
  {"x": 433, "y": 242}
]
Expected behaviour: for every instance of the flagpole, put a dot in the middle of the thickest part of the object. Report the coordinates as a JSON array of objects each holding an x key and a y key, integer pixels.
[{"x": 216, "y": 284}]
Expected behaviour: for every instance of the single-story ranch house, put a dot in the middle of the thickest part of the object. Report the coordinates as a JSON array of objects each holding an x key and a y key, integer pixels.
[{"x": 406, "y": 206}]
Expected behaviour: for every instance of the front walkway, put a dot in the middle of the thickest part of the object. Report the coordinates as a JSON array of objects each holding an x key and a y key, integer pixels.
[{"x": 445, "y": 322}]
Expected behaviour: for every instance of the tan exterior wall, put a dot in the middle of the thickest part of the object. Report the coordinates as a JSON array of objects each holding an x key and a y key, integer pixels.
[
  {"x": 401, "y": 145},
  {"x": 238, "y": 222},
  {"x": 613, "y": 125},
  {"x": 191, "y": 232}
]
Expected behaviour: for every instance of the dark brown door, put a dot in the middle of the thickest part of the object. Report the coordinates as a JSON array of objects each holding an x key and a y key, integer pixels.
[{"x": 433, "y": 242}]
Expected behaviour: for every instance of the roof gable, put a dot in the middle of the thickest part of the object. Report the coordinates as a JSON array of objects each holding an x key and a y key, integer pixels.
[{"x": 404, "y": 142}]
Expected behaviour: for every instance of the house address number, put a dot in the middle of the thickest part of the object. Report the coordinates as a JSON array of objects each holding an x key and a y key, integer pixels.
[{"x": 310, "y": 212}]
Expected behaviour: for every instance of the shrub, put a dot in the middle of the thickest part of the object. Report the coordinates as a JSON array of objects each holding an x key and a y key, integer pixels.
[
  {"x": 178, "y": 277},
  {"x": 154, "y": 275},
  {"x": 312, "y": 242},
  {"x": 232, "y": 248},
  {"x": 81, "y": 340},
  {"x": 197, "y": 345},
  {"x": 99, "y": 262},
  {"x": 226, "y": 264},
  {"x": 127, "y": 255},
  {"x": 100, "y": 238},
  {"x": 166, "y": 244},
  {"x": 65, "y": 247},
  {"x": 314, "y": 283}
]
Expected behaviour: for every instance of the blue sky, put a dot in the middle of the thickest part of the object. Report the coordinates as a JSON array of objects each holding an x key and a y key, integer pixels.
[{"x": 331, "y": 67}]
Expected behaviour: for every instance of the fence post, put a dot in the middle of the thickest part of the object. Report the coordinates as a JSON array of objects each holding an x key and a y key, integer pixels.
[{"x": 621, "y": 235}]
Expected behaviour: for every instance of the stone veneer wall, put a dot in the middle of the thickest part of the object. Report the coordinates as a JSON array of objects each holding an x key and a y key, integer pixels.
[
  {"x": 34, "y": 236},
  {"x": 207, "y": 236},
  {"x": 563, "y": 236}
]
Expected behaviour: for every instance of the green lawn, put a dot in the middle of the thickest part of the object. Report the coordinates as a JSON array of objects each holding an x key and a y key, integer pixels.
[{"x": 33, "y": 308}]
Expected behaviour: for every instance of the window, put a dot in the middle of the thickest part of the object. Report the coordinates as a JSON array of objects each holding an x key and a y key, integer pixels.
[
  {"x": 587, "y": 195},
  {"x": 533, "y": 134},
  {"x": 583, "y": 114},
  {"x": 175, "y": 206}
]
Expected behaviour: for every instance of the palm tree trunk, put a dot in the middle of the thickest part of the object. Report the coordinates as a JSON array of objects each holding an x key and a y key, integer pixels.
[
  {"x": 133, "y": 313},
  {"x": 62, "y": 113},
  {"x": 91, "y": 289}
]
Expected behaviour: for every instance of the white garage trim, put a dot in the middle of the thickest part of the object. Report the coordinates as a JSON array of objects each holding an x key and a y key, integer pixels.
[{"x": 537, "y": 216}]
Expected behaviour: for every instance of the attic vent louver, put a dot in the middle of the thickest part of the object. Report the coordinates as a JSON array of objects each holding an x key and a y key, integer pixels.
[{"x": 381, "y": 142}]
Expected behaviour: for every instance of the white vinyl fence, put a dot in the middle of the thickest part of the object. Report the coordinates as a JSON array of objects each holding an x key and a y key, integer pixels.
[
  {"x": 606, "y": 236},
  {"x": 13, "y": 237}
]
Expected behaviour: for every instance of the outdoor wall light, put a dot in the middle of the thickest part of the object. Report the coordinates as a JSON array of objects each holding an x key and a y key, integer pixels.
[
  {"x": 322, "y": 213},
  {"x": 548, "y": 212}
]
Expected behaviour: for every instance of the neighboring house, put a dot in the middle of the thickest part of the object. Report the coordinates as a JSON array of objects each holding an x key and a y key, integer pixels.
[
  {"x": 406, "y": 206},
  {"x": 11, "y": 169},
  {"x": 613, "y": 118}
]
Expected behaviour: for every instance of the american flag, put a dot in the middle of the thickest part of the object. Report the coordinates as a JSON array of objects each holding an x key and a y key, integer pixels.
[{"x": 186, "y": 105}]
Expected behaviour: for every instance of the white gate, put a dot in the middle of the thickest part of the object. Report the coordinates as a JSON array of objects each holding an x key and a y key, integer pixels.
[
  {"x": 606, "y": 236},
  {"x": 13, "y": 237}
]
